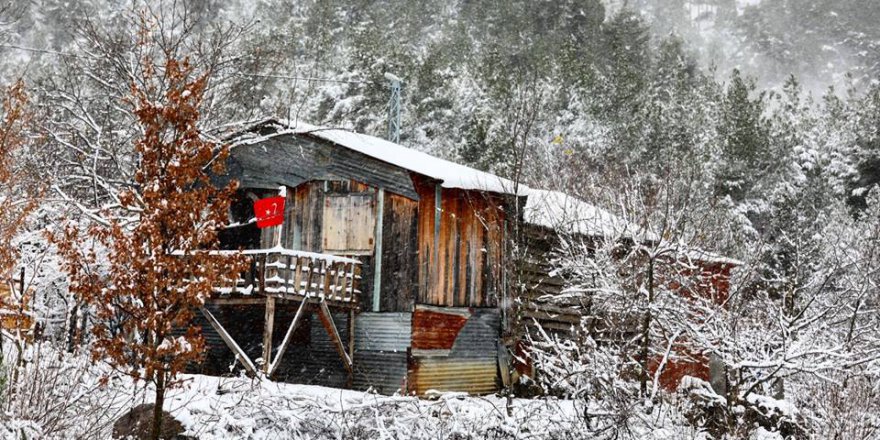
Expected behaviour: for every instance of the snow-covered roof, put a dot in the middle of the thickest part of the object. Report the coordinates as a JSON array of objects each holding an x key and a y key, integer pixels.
[
  {"x": 551, "y": 209},
  {"x": 450, "y": 174},
  {"x": 562, "y": 212},
  {"x": 711, "y": 257}
]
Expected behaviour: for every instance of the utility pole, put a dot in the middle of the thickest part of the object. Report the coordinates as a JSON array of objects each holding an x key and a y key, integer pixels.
[{"x": 394, "y": 108}]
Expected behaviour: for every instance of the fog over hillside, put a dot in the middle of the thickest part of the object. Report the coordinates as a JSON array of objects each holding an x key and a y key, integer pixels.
[{"x": 819, "y": 41}]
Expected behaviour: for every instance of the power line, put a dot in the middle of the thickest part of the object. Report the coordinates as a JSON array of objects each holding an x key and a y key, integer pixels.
[
  {"x": 256, "y": 75},
  {"x": 36, "y": 50},
  {"x": 311, "y": 78}
]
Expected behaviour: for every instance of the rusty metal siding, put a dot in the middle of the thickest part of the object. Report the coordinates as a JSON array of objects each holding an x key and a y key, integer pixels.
[
  {"x": 475, "y": 376},
  {"x": 382, "y": 342},
  {"x": 451, "y": 355},
  {"x": 382, "y": 331}
]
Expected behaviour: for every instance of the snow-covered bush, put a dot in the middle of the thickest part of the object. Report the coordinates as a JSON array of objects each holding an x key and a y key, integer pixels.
[{"x": 49, "y": 393}]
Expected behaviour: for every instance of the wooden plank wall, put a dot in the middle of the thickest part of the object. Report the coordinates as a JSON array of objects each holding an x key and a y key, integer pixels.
[
  {"x": 461, "y": 267},
  {"x": 400, "y": 254},
  {"x": 303, "y": 230}
]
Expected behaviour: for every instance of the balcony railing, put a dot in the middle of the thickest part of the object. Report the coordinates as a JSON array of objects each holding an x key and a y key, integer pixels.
[{"x": 284, "y": 272}]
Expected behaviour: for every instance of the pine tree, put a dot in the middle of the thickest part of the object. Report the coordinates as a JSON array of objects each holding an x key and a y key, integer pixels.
[{"x": 744, "y": 138}]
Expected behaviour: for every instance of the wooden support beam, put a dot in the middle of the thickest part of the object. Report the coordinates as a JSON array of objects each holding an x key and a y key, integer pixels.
[
  {"x": 240, "y": 355},
  {"x": 351, "y": 334},
  {"x": 237, "y": 301},
  {"x": 377, "y": 258},
  {"x": 287, "y": 337},
  {"x": 351, "y": 344},
  {"x": 268, "y": 332},
  {"x": 330, "y": 326}
]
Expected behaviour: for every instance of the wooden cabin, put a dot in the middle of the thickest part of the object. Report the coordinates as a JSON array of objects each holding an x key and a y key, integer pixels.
[
  {"x": 387, "y": 272},
  {"x": 390, "y": 268}
]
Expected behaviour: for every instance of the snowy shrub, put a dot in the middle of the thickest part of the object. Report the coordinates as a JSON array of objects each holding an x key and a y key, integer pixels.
[{"x": 53, "y": 394}]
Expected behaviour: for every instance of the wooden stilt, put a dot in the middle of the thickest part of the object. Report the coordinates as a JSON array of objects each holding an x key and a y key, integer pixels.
[
  {"x": 240, "y": 355},
  {"x": 287, "y": 337},
  {"x": 351, "y": 334},
  {"x": 351, "y": 345},
  {"x": 268, "y": 332},
  {"x": 330, "y": 326}
]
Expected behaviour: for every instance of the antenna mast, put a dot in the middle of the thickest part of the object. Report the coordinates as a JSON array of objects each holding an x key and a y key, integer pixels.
[{"x": 394, "y": 108}]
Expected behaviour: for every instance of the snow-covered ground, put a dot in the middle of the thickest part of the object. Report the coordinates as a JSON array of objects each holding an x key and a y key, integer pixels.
[
  {"x": 59, "y": 395},
  {"x": 226, "y": 408}
]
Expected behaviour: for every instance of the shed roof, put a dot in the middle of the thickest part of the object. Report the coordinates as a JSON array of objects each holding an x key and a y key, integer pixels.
[
  {"x": 562, "y": 212},
  {"x": 450, "y": 174}
]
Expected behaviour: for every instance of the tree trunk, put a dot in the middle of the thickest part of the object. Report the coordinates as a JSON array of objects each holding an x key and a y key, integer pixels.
[
  {"x": 646, "y": 331},
  {"x": 160, "y": 403},
  {"x": 72, "y": 327}
]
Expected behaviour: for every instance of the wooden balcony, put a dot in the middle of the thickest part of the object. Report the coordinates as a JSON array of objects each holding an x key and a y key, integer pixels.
[
  {"x": 316, "y": 281},
  {"x": 296, "y": 275}
]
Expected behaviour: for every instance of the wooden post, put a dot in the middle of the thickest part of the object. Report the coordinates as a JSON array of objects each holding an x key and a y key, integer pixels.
[
  {"x": 268, "y": 331},
  {"x": 338, "y": 279},
  {"x": 287, "y": 274},
  {"x": 377, "y": 274},
  {"x": 240, "y": 355},
  {"x": 330, "y": 326},
  {"x": 327, "y": 278},
  {"x": 309, "y": 277},
  {"x": 297, "y": 275},
  {"x": 287, "y": 337}
]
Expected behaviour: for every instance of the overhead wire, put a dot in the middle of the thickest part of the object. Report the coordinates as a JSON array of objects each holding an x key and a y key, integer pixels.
[{"x": 256, "y": 75}]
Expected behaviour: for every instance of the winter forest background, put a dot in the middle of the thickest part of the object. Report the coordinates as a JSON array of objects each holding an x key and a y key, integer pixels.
[{"x": 747, "y": 128}]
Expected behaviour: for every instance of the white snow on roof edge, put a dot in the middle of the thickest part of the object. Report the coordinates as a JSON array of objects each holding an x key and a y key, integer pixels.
[
  {"x": 450, "y": 174},
  {"x": 559, "y": 211}
]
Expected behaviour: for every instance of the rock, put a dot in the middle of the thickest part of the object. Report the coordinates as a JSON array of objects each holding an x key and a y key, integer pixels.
[{"x": 137, "y": 424}]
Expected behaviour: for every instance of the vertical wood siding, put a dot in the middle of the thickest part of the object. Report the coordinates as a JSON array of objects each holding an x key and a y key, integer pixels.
[
  {"x": 400, "y": 254},
  {"x": 461, "y": 266}
]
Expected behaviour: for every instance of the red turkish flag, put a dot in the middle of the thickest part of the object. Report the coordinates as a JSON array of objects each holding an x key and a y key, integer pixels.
[{"x": 269, "y": 211}]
